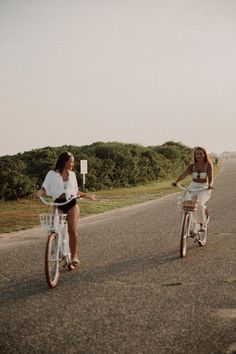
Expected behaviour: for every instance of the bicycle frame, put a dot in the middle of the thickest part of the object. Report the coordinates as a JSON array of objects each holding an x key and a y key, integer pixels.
[
  {"x": 57, "y": 247},
  {"x": 193, "y": 226},
  {"x": 189, "y": 226},
  {"x": 54, "y": 225}
]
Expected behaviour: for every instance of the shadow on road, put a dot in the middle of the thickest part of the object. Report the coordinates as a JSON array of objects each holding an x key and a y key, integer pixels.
[
  {"x": 22, "y": 289},
  {"x": 101, "y": 274},
  {"x": 26, "y": 288}
]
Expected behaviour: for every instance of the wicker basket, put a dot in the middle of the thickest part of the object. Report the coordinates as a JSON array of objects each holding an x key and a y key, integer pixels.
[
  {"x": 52, "y": 221},
  {"x": 189, "y": 205}
]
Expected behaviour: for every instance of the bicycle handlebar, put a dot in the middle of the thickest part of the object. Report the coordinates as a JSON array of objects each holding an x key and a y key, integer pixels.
[
  {"x": 191, "y": 190},
  {"x": 57, "y": 204}
]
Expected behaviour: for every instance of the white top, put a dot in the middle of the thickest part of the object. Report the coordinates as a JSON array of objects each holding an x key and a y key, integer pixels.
[
  {"x": 199, "y": 175},
  {"x": 54, "y": 186},
  {"x": 65, "y": 184}
]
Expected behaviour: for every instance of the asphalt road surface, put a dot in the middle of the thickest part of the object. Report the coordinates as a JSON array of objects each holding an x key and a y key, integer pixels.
[{"x": 132, "y": 294}]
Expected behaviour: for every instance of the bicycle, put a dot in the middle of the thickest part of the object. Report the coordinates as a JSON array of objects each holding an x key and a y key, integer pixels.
[
  {"x": 57, "y": 251},
  {"x": 189, "y": 228}
]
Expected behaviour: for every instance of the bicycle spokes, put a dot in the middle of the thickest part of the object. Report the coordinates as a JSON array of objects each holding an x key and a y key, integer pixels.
[{"x": 52, "y": 260}]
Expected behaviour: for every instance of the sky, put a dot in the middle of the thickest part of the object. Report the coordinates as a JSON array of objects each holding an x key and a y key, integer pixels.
[{"x": 74, "y": 72}]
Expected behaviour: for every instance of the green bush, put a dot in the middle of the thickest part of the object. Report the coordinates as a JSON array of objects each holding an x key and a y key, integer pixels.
[{"x": 110, "y": 165}]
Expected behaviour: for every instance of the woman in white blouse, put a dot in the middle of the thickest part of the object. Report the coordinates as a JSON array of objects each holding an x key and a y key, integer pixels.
[{"x": 61, "y": 184}]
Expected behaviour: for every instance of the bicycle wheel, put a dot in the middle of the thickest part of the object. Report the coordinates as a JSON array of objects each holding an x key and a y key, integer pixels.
[
  {"x": 202, "y": 238},
  {"x": 52, "y": 261},
  {"x": 184, "y": 234}
]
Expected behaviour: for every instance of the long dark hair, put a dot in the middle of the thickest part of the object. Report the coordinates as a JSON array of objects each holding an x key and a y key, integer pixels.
[
  {"x": 206, "y": 156},
  {"x": 62, "y": 160}
]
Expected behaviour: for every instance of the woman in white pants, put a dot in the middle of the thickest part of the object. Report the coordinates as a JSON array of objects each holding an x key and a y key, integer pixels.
[{"x": 201, "y": 172}]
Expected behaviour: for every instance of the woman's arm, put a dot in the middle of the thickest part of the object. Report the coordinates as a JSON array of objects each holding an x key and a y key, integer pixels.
[
  {"x": 87, "y": 196},
  {"x": 183, "y": 175},
  {"x": 40, "y": 193},
  {"x": 210, "y": 176}
]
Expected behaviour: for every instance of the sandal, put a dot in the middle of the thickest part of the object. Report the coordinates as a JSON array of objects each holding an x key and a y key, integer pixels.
[{"x": 75, "y": 261}]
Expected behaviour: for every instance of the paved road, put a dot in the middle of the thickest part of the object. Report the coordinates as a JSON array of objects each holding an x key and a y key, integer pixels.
[{"x": 133, "y": 293}]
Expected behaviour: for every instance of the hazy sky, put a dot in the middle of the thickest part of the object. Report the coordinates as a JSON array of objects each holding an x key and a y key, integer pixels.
[{"x": 136, "y": 71}]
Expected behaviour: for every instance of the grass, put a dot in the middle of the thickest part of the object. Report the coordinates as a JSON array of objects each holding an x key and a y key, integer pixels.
[
  {"x": 121, "y": 197},
  {"x": 24, "y": 214}
]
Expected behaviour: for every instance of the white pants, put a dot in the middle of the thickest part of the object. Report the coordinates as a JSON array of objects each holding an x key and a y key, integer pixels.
[{"x": 203, "y": 196}]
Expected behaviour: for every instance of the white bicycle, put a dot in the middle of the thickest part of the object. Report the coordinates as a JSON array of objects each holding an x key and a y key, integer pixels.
[
  {"x": 189, "y": 228},
  {"x": 57, "y": 251}
]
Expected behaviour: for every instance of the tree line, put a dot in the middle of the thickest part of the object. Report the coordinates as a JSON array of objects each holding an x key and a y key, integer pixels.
[{"x": 110, "y": 165}]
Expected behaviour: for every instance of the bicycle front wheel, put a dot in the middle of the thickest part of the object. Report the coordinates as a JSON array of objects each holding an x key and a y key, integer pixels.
[
  {"x": 52, "y": 261},
  {"x": 184, "y": 235}
]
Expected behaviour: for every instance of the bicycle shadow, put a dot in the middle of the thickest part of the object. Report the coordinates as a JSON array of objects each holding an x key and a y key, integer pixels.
[
  {"x": 124, "y": 267},
  {"x": 14, "y": 291},
  {"x": 101, "y": 274}
]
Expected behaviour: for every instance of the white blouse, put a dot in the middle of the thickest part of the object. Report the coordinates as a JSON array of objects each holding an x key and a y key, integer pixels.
[{"x": 54, "y": 186}]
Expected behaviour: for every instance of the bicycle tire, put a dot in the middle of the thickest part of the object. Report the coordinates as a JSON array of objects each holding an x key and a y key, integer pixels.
[
  {"x": 52, "y": 262},
  {"x": 184, "y": 235},
  {"x": 203, "y": 235}
]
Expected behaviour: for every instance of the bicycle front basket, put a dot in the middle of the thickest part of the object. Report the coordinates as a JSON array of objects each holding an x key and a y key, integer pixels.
[
  {"x": 52, "y": 221},
  {"x": 189, "y": 205}
]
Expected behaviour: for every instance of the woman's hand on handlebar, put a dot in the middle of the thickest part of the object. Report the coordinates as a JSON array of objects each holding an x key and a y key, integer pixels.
[{"x": 40, "y": 193}]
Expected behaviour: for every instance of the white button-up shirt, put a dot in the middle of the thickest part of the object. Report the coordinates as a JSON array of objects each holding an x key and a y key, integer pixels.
[{"x": 54, "y": 186}]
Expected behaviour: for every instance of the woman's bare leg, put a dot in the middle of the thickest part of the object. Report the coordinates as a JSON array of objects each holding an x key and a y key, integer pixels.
[{"x": 73, "y": 222}]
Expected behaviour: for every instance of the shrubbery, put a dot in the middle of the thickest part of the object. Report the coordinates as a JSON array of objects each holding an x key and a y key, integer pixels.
[{"x": 110, "y": 165}]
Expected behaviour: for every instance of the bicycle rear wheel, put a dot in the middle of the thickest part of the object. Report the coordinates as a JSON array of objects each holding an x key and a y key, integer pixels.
[
  {"x": 52, "y": 261},
  {"x": 184, "y": 235},
  {"x": 202, "y": 238}
]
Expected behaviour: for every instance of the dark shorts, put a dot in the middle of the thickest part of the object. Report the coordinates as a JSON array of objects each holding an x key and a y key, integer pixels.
[{"x": 65, "y": 208}]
